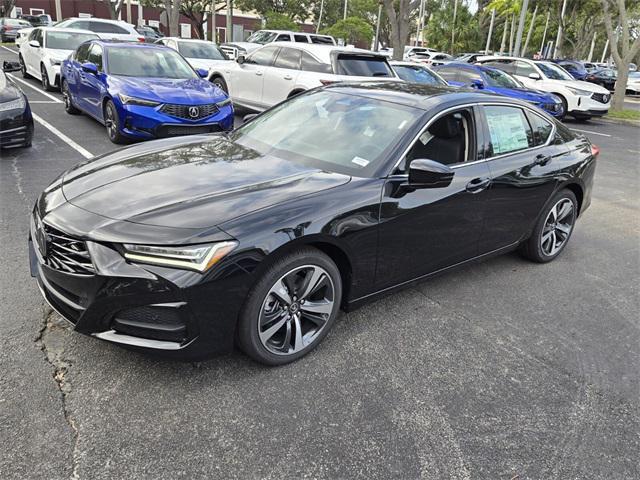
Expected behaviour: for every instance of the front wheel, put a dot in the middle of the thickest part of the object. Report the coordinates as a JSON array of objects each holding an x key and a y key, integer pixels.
[
  {"x": 46, "y": 85},
  {"x": 112, "y": 123},
  {"x": 291, "y": 308},
  {"x": 564, "y": 107},
  {"x": 221, "y": 84},
  {"x": 553, "y": 230},
  {"x": 23, "y": 67},
  {"x": 66, "y": 98}
]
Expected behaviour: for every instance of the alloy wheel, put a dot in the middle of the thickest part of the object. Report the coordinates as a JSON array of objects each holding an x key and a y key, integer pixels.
[
  {"x": 65, "y": 95},
  {"x": 296, "y": 309},
  {"x": 45, "y": 78},
  {"x": 557, "y": 227},
  {"x": 110, "y": 122}
]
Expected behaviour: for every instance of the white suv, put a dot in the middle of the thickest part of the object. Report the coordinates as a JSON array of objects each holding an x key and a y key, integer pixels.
[
  {"x": 281, "y": 70},
  {"x": 44, "y": 50},
  {"x": 581, "y": 100},
  {"x": 262, "y": 37},
  {"x": 105, "y": 29}
]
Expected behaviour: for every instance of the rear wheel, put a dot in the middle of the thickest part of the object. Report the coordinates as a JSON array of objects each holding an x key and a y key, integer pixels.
[
  {"x": 46, "y": 85},
  {"x": 291, "y": 308},
  {"x": 221, "y": 84},
  {"x": 553, "y": 230},
  {"x": 23, "y": 67},
  {"x": 66, "y": 97},
  {"x": 112, "y": 123}
]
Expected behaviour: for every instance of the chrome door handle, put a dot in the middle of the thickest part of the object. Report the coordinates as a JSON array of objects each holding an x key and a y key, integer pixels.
[
  {"x": 258, "y": 72},
  {"x": 477, "y": 185}
]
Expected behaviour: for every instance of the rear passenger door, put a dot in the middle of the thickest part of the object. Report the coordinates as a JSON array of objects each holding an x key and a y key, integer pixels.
[
  {"x": 92, "y": 86},
  {"x": 280, "y": 79},
  {"x": 523, "y": 161}
]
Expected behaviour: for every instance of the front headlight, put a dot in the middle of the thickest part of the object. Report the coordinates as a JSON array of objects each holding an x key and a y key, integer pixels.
[
  {"x": 224, "y": 103},
  {"x": 127, "y": 100},
  {"x": 53, "y": 61},
  {"x": 15, "y": 104},
  {"x": 583, "y": 93},
  {"x": 192, "y": 257}
]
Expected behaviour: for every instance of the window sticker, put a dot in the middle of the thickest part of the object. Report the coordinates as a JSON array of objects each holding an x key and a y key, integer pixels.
[
  {"x": 425, "y": 137},
  {"x": 368, "y": 132},
  {"x": 508, "y": 132},
  {"x": 363, "y": 162}
]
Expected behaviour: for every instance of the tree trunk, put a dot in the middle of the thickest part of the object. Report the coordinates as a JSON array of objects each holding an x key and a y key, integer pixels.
[
  {"x": 172, "y": 7},
  {"x": 399, "y": 22}
]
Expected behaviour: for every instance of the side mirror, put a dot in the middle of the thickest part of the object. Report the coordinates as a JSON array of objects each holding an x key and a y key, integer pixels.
[
  {"x": 90, "y": 68},
  {"x": 534, "y": 76},
  {"x": 34, "y": 43},
  {"x": 240, "y": 59},
  {"x": 425, "y": 173},
  {"x": 477, "y": 83},
  {"x": 8, "y": 66},
  {"x": 249, "y": 117},
  {"x": 202, "y": 72}
]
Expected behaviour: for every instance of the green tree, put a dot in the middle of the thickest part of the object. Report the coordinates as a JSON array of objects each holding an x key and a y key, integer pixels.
[
  {"x": 280, "y": 21},
  {"x": 352, "y": 30},
  {"x": 296, "y": 10}
]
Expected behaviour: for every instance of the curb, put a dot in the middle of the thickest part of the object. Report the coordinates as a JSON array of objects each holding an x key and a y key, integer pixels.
[{"x": 623, "y": 121}]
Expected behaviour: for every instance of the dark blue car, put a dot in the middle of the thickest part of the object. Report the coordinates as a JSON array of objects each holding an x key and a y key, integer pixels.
[
  {"x": 497, "y": 81},
  {"x": 142, "y": 91},
  {"x": 577, "y": 69}
]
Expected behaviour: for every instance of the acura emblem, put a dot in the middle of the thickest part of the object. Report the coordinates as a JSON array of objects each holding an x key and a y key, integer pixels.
[
  {"x": 194, "y": 112},
  {"x": 605, "y": 98}
]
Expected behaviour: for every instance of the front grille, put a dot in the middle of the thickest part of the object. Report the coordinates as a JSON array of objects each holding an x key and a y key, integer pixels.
[
  {"x": 65, "y": 253},
  {"x": 178, "y": 130},
  {"x": 601, "y": 97},
  {"x": 190, "y": 112},
  {"x": 231, "y": 52}
]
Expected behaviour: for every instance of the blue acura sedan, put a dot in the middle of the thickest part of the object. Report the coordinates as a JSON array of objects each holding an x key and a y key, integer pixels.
[
  {"x": 497, "y": 81},
  {"x": 142, "y": 91}
]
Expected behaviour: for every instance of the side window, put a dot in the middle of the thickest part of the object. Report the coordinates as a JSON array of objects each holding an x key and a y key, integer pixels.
[
  {"x": 264, "y": 56},
  {"x": 301, "y": 38},
  {"x": 83, "y": 53},
  {"x": 524, "y": 68},
  {"x": 504, "y": 65},
  {"x": 541, "y": 128},
  {"x": 310, "y": 64},
  {"x": 451, "y": 139},
  {"x": 81, "y": 24},
  {"x": 95, "y": 56},
  {"x": 103, "y": 27},
  {"x": 33, "y": 35},
  {"x": 283, "y": 37},
  {"x": 172, "y": 44},
  {"x": 509, "y": 130},
  {"x": 468, "y": 76},
  {"x": 40, "y": 37},
  {"x": 449, "y": 74},
  {"x": 288, "y": 58}
]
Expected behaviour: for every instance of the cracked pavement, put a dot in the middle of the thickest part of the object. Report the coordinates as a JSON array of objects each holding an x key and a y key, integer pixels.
[{"x": 504, "y": 369}]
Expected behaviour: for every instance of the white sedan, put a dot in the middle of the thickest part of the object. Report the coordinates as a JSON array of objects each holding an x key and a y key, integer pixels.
[
  {"x": 582, "y": 100},
  {"x": 199, "y": 53},
  {"x": 44, "y": 50},
  {"x": 633, "y": 83},
  {"x": 281, "y": 70}
]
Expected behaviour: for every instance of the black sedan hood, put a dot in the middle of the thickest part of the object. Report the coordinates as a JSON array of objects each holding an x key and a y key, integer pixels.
[
  {"x": 8, "y": 91},
  {"x": 197, "y": 182}
]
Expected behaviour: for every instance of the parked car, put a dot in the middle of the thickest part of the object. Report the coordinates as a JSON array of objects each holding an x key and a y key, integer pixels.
[
  {"x": 496, "y": 81},
  {"x": 43, "y": 20},
  {"x": 605, "y": 77},
  {"x": 9, "y": 28},
  {"x": 281, "y": 70},
  {"x": 142, "y": 91},
  {"x": 431, "y": 58},
  {"x": 16, "y": 121},
  {"x": 42, "y": 54},
  {"x": 150, "y": 34},
  {"x": 105, "y": 29},
  {"x": 259, "y": 237},
  {"x": 410, "y": 51},
  {"x": 415, "y": 73},
  {"x": 199, "y": 53},
  {"x": 580, "y": 99},
  {"x": 576, "y": 69},
  {"x": 263, "y": 37},
  {"x": 22, "y": 35},
  {"x": 468, "y": 57},
  {"x": 633, "y": 83}
]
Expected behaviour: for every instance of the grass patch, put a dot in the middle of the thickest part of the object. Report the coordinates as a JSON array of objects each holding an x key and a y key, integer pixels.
[{"x": 624, "y": 114}]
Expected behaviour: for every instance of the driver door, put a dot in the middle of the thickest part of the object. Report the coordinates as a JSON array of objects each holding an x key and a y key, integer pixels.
[
  {"x": 247, "y": 78},
  {"x": 423, "y": 230}
]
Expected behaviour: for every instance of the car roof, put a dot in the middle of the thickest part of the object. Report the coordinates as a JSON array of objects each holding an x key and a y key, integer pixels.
[
  {"x": 192, "y": 40},
  {"x": 422, "y": 96},
  {"x": 123, "y": 44},
  {"x": 323, "y": 51},
  {"x": 66, "y": 30}
]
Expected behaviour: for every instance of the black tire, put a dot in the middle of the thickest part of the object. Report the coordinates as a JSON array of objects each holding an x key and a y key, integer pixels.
[
  {"x": 112, "y": 124},
  {"x": 68, "y": 101},
  {"x": 23, "y": 67},
  {"x": 46, "y": 85},
  {"x": 534, "y": 247},
  {"x": 248, "y": 336},
  {"x": 295, "y": 93},
  {"x": 564, "y": 106},
  {"x": 221, "y": 84}
]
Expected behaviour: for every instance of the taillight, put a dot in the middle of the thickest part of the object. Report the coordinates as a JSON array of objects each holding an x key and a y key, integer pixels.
[
  {"x": 595, "y": 150},
  {"x": 8, "y": 27},
  {"x": 141, "y": 39}
]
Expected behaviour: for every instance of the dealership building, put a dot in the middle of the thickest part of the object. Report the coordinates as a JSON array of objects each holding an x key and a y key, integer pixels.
[{"x": 243, "y": 24}]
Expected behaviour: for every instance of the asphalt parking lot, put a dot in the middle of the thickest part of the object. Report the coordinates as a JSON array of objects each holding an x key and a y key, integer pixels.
[{"x": 505, "y": 369}]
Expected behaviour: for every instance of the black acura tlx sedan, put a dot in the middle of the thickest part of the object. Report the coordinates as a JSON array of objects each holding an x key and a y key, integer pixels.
[{"x": 257, "y": 237}]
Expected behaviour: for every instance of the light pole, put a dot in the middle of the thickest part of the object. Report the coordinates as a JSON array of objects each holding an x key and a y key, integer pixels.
[
  {"x": 58, "y": 11},
  {"x": 593, "y": 44},
  {"x": 346, "y": 2},
  {"x": 377, "y": 40},
  {"x": 320, "y": 16},
  {"x": 544, "y": 34},
  {"x": 493, "y": 19},
  {"x": 523, "y": 18},
  {"x": 558, "y": 50}
]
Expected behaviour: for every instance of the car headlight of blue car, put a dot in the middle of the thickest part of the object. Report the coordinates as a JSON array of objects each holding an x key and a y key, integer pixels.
[{"x": 128, "y": 100}]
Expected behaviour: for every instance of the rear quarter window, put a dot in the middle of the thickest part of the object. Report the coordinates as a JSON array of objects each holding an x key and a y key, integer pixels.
[{"x": 362, "y": 66}]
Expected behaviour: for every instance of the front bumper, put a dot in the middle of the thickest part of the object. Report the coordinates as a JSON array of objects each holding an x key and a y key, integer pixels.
[
  {"x": 179, "y": 314},
  {"x": 594, "y": 105},
  {"x": 16, "y": 127},
  {"x": 149, "y": 122}
]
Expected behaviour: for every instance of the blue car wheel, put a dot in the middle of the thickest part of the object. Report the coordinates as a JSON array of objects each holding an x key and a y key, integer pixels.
[{"x": 112, "y": 123}]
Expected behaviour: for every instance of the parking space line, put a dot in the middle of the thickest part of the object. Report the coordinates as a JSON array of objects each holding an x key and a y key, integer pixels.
[
  {"x": 81, "y": 150},
  {"x": 10, "y": 49},
  {"x": 35, "y": 88},
  {"x": 42, "y": 101},
  {"x": 592, "y": 133}
]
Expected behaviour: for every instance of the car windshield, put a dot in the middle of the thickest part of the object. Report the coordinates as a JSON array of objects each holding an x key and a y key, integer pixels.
[
  {"x": 148, "y": 62},
  {"x": 262, "y": 37},
  {"x": 418, "y": 74},
  {"x": 202, "y": 50},
  {"x": 67, "y": 40},
  {"x": 332, "y": 131},
  {"x": 553, "y": 71},
  {"x": 498, "y": 78}
]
